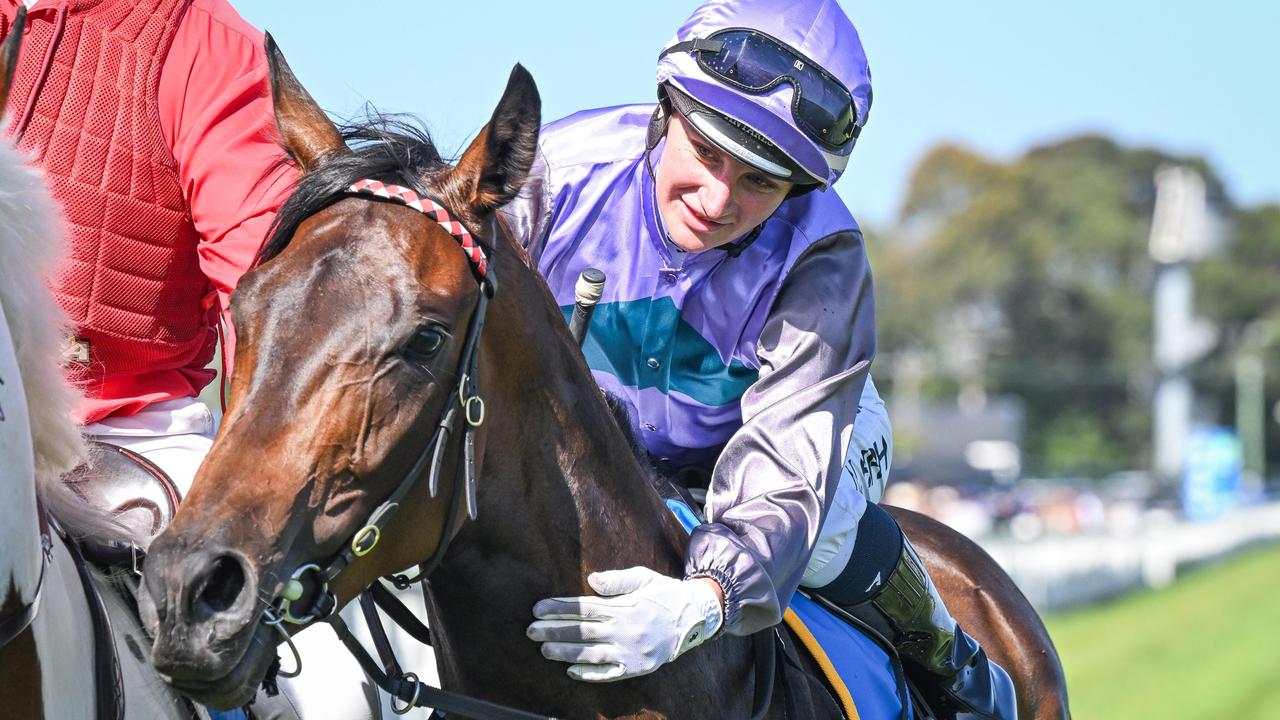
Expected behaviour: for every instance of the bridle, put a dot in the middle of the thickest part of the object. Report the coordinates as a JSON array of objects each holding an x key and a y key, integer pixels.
[
  {"x": 310, "y": 582},
  {"x": 307, "y": 591}
]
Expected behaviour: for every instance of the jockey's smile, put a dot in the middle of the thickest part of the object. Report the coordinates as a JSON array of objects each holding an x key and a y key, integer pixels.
[{"x": 706, "y": 197}]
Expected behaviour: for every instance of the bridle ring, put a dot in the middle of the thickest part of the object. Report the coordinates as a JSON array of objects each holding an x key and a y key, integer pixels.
[
  {"x": 369, "y": 533},
  {"x": 474, "y": 403},
  {"x": 413, "y": 701}
]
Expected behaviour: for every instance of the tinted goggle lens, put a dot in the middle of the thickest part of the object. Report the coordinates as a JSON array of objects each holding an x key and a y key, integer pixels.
[{"x": 823, "y": 107}]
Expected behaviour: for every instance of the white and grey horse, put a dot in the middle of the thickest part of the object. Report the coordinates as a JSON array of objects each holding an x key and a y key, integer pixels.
[{"x": 47, "y": 665}]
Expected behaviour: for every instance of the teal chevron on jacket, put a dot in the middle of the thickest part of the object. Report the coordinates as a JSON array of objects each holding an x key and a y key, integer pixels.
[{"x": 625, "y": 337}]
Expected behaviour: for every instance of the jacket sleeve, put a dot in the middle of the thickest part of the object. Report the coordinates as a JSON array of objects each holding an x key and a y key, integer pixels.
[
  {"x": 775, "y": 479},
  {"x": 217, "y": 117}
]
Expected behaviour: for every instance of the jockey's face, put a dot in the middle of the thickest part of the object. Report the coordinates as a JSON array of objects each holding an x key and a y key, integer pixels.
[{"x": 706, "y": 197}]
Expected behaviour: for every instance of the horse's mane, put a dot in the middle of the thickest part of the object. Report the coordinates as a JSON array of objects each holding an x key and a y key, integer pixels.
[
  {"x": 31, "y": 248},
  {"x": 387, "y": 148}
]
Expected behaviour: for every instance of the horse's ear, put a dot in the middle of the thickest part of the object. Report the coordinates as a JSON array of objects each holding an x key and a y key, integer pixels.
[
  {"x": 9, "y": 55},
  {"x": 493, "y": 169},
  {"x": 308, "y": 133}
]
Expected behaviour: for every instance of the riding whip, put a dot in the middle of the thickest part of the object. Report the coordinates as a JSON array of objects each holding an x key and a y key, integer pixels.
[{"x": 587, "y": 292}]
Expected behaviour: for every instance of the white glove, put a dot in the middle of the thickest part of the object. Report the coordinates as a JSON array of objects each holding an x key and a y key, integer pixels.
[{"x": 643, "y": 620}]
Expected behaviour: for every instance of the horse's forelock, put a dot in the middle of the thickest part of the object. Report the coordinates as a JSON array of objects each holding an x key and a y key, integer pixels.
[{"x": 387, "y": 148}]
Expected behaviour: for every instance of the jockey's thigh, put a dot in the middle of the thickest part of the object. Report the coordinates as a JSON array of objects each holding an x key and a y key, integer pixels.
[
  {"x": 834, "y": 546},
  {"x": 174, "y": 434},
  {"x": 866, "y": 469}
]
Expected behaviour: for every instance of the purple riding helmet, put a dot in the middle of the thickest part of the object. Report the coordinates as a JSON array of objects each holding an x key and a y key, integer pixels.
[{"x": 782, "y": 86}]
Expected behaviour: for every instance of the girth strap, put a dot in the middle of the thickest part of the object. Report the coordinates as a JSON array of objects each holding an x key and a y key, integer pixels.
[{"x": 107, "y": 678}]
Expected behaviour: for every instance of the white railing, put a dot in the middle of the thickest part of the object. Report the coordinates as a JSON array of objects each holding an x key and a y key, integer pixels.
[{"x": 1061, "y": 572}]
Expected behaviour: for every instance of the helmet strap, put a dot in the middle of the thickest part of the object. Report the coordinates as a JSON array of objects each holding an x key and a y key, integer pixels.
[{"x": 657, "y": 129}]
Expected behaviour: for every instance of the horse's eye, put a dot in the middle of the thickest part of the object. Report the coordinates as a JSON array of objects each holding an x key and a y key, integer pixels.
[{"x": 425, "y": 343}]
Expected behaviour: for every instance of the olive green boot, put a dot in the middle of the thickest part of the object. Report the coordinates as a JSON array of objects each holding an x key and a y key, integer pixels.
[{"x": 968, "y": 685}]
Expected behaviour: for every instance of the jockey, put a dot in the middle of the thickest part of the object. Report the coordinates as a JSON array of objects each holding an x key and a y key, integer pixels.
[
  {"x": 737, "y": 328},
  {"x": 153, "y": 123}
]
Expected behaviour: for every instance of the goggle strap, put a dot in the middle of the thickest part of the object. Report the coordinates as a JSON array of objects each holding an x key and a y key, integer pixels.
[{"x": 695, "y": 45}]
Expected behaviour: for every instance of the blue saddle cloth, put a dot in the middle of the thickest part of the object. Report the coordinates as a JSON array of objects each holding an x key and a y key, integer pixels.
[{"x": 863, "y": 668}]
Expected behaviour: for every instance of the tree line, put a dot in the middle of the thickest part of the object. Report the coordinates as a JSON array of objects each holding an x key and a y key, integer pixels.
[{"x": 1044, "y": 259}]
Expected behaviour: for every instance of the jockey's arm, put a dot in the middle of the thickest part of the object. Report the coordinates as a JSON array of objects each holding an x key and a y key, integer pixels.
[
  {"x": 776, "y": 478},
  {"x": 216, "y": 115}
]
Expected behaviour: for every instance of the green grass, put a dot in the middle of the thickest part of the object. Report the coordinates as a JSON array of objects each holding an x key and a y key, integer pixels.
[{"x": 1206, "y": 648}]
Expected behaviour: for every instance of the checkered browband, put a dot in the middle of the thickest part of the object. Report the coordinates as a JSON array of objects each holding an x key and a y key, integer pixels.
[{"x": 433, "y": 210}]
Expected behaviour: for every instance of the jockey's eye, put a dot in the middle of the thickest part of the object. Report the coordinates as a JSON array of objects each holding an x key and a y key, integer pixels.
[{"x": 425, "y": 342}]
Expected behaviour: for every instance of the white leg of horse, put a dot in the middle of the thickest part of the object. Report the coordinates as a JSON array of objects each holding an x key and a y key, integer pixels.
[
  {"x": 20, "y": 559},
  {"x": 64, "y": 642}
]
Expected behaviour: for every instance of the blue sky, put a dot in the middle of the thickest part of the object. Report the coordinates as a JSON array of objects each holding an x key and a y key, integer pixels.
[{"x": 999, "y": 76}]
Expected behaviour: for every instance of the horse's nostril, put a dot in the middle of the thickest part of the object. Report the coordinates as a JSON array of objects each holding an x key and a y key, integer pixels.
[{"x": 221, "y": 589}]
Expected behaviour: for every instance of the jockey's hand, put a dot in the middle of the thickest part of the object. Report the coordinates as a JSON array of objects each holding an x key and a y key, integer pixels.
[{"x": 641, "y": 620}]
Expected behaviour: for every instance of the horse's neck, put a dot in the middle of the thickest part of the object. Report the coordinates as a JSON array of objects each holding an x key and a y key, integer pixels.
[
  {"x": 560, "y": 446},
  {"x": 561, "y": 493}
]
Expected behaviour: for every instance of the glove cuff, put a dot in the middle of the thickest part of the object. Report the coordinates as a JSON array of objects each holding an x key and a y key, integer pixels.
[{"x": 703, "y": 614}]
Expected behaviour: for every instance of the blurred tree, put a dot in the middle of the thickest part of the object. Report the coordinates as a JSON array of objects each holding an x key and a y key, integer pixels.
[
  {"x": 1044, "y": 261},
  {"x": 1239, "y": 290}
]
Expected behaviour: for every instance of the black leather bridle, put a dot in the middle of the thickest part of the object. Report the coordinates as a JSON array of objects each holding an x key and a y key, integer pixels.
[
  {"x": 307, "y": 591},
  {"x": 306, "y": 596}
]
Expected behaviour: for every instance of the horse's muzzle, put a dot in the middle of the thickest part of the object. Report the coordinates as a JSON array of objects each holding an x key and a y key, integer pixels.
[{"x": 201, "y": 607}]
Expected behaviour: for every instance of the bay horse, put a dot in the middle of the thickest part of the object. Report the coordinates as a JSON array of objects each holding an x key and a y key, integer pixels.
[
  {"x": 362, "y": 328},
  {"x": 49, "y": 665}
]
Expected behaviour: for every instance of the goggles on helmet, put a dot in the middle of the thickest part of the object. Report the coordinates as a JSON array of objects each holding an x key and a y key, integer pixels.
[{"x": 752, "y": 61}]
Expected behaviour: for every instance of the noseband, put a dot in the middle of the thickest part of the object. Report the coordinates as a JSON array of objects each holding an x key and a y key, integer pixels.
[{"x": 306, "y": 597}]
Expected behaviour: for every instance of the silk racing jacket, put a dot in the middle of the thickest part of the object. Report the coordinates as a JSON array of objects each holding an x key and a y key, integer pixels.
[{"x": 753, "y": 359}]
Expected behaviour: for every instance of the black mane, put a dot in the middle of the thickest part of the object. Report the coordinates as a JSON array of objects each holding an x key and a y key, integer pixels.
[{"x": 385, "y": 148}]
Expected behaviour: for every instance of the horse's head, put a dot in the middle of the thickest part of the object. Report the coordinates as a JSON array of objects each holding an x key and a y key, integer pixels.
[{"x": 354, "y": 337}]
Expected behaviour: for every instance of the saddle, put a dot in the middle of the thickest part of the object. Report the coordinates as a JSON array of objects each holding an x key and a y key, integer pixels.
[
  {"x": 142, "y": 499},
  {"x": 137, "y": 493},
  {"x": 857, "y": 666}
]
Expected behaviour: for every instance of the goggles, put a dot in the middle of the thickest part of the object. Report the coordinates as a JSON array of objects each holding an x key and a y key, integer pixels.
[{"x": 753, "y": 62}]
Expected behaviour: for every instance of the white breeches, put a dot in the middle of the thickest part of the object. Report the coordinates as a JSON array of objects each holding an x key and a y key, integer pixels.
[{"x": 866, "y": 469}]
